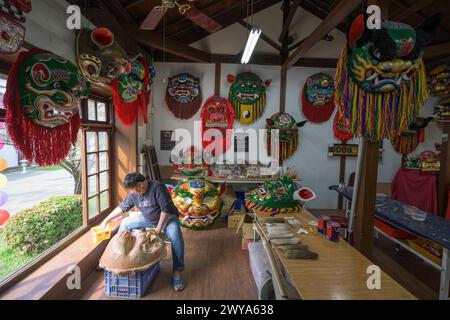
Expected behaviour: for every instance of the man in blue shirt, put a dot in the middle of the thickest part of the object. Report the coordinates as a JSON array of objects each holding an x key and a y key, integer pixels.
[{"x": 157, "y": 211}]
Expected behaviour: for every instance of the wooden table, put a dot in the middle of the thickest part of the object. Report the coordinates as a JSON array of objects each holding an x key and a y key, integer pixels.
[
  {"x": 340, "y": 273},
  {"x": 180, "y": 177}
]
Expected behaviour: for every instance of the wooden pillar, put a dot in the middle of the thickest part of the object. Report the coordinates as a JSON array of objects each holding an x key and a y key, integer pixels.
[
  {"x": 341, "y": 179},
  {"x": 367, "y": 186},
  {"x": 284, "y": 55},
  {"x": 444, "y": 174},
  {"x": 217, "y": 79}
]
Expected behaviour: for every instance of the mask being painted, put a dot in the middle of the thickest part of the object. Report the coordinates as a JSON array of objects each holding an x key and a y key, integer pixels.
[
  {"x": 217, "y": 113},
  {"x": 440, "y": 80},
  {"x": 248, "y": 96},
  {"x": 317, "y": 98},
  {"x": 198, "y": 202},
  {"x": 183, "y": 95},
  {"x": 380, "y": 80},
  {"x": 274, "y": 197},
  {"x": 42, "y": 98},
  {"x": 99, "y": 56},
  {"x": 133, "y": 252},
  {"x": 288, "y": 134}
]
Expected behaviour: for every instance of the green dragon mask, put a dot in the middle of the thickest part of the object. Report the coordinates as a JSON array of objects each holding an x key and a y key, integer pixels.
[{"x": 248, "y": 96}]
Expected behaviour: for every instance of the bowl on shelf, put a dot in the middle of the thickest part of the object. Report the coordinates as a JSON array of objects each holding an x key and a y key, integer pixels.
[{"x": 419, "y": 215}]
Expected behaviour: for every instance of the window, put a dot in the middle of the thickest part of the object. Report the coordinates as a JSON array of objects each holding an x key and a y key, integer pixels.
[{"x": 97, "y": 157}]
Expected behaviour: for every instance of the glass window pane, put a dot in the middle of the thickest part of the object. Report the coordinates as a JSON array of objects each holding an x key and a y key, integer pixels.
[
  {"x": 92, "y": 186},
  {"x": 103, "y": 141},
  {"x": 92, "y": 163},
  {"x": 104, "y": 181},
  {"x": 103, "y": 161},
  {"x": 101, "y": 111},
  {"x": 91, "y": 142},
  {"x": 104, "y": 201},
  {"x": 92, "y": 115},
  {"x": 92, "y": 207}
]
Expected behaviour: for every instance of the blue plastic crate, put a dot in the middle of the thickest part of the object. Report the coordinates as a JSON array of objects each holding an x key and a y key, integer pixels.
[{"x": 132, "y": 285}]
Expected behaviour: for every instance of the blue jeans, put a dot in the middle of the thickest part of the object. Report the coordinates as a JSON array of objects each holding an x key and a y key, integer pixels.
[{"x": 171, "y": 229}]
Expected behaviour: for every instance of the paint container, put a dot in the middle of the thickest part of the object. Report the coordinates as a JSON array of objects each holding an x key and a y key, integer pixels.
[
  {"x": 333, "y": 231},
  {"x": 322, "y": 224}
]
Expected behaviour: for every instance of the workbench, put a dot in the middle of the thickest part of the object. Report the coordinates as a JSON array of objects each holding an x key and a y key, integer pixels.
[
  {"x": 340, "y": 272},
  {"x": 181, "y": 177},
  {"x": 434, "y": 228}
]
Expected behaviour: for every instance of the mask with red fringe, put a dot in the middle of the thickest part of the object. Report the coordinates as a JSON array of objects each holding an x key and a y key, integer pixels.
[
  {"x": 341, "y": 128},
  {"x": 41, "y": 99},
  {"x": 317, "y": 98},
  {"x": 131, "y": 93}
]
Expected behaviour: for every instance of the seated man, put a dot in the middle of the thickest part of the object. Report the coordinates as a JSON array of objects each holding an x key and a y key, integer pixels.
[{"x": 158, "y": 211}]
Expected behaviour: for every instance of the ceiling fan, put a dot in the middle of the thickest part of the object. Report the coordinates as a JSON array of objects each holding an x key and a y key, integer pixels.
[{"x": 184, "y": 8}]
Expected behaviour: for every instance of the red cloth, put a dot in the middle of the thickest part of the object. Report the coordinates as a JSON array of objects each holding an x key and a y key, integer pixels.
[{"x": 416, "y": 188}]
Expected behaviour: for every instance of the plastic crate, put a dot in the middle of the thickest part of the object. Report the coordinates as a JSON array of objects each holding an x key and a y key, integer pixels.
[{"x": 132, "y": 285}]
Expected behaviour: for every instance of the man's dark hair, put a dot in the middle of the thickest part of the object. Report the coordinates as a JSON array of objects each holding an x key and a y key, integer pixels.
[{"x": 132, "y": 179}]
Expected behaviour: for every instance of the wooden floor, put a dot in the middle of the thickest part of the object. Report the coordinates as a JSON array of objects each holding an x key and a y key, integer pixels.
[{"x": 216, "y": 268}]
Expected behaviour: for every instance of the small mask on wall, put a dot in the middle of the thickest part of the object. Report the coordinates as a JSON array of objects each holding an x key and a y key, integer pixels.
[
  {"x": 440, "y": 80},
  {"x": 12, "y": 20},
  {"x": 341, "y": 128},
  {"x": 317, "y": 98},
  {"x": 184, "y": 95},
  {"x": 248, "y": 96}
]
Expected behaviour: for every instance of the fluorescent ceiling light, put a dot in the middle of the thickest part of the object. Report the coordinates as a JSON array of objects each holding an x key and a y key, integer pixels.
[{"x": 251, "y": 43}]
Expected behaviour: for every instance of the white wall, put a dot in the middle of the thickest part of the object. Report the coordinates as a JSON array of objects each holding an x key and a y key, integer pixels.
[
  {"x": 46, "y": 28},
  {"x": 317, "y": 170}
]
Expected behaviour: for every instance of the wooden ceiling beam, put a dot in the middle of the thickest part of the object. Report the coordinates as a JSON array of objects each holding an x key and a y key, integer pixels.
[
  {"x": 336, "y": 16},
  {"x": 118, "y": 10},
  {"x": 320, "y": 13},
  {"x": 232, "y": 14},
  {"x": 419, "y": 5},
  {"x": 439, "y": 50},
  {"x": 155, "y": 40},
  {"x": 292, "y": 10},
  {"x": 263, "y": 36}
]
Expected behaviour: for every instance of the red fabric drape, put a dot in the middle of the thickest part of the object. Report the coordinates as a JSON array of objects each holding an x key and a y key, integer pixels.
[{"x": 416, "y": 188}]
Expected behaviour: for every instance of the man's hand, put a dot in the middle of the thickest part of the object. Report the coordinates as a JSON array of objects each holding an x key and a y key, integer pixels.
[{"x": 158, "y": 231}]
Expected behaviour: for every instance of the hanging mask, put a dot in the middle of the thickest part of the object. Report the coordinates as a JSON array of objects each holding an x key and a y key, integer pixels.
[
  {"x": 317, "y": 98},
  {"x": 442, "y": 111},
  {"x": 440, "y": 80},
  {"x": 217, "y": 113},
  {"x": 274, "y": 197},
  {"x": 288, "y": 134},
  {"x": 341, "y": 128},
  {"x": 12, "y": 20},
  {"x": 198, "y": 202},
  {"x": 380, "y": 83},
  {"x": 131, "y": 93},
  {"x": 248, "y": 96},
  {"x": 42, "y": 98},
  {"x": 183, "y": 95},
  {"x": 99, "y": 57},
  {"x": 408, "y": 141}
]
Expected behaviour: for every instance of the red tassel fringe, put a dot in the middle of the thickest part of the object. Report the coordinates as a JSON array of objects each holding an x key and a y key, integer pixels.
[
  {"x": 43, "y": 146},
  {"x": 316, "y": 114}
]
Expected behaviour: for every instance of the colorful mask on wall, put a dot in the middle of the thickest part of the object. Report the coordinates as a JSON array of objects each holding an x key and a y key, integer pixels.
[
  {"x": 288, "y": 134},
  {"x": 131, "y": 93},
  {"x": 198, "y": 202},
  {"x": 99, "y": 56},
  {"x": 12, "y": 20},
  {"x": 133, "y": 252},
  {"x": 440, "y": 80},
  {"x": 217, "y": 113},
  {"x": 274, "y": 197},
  {"x": 380, "y": 80},
  {"x": 442, "y": 111},
  {"x": 183, "y": 95},
  {"x": 190, "y": 162},
  {"x": 408, "y": 141},
  {"x": 42, "y": 98},
  {"x": 317, "y": 98},
  {"x": 341, "y": 128},
  {"x": 248, "y": 96}
]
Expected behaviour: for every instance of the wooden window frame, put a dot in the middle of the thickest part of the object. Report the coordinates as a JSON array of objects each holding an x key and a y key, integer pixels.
[{"x": 45, "y": 256}]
